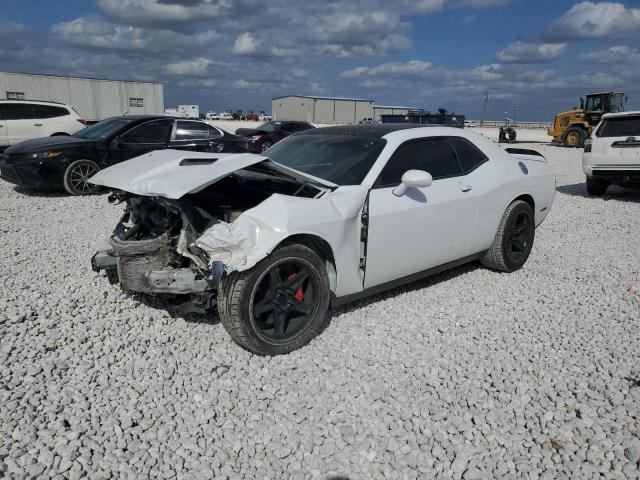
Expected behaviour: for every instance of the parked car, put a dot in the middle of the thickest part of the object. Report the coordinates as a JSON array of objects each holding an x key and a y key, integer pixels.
[
  {"x": 264, "y": 117},
  {"x": 252, "y": 117},
  {"x": 25, "y": 119},
  {"x": 469, "y": 124},
  {"x": 268, "y": 134},
  {"x": 226, "y": 116},
  {"x": 612, "y": 154},
  {"x": 333, "y": 214},
  {"x": 237, "y": 115},
  {"x": 70, "y": 161},
  {"x": 213, "y": 116},
  {"x": 366, "y": 121}
]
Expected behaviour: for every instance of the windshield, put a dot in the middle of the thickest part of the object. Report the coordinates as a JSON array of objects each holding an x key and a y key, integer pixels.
[
  {"x": 103, "y": 129},
  {"x": 269, "y": 127},
  {"x": 340, "y": 159}
]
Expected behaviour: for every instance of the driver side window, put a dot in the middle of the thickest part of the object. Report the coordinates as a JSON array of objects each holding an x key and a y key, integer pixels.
[
  {"x": 432, "y": 155},
  {"x": 155, "y": 132}
]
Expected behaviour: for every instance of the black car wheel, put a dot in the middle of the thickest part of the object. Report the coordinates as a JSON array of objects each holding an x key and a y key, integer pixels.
[
  {"x": 596, "y": 186},
  {"x": 279, "y": 305},
  {"x": 76, "y": 176},
  {"x": 514, "y": 239},
  {"x": 265, "y": 145}
]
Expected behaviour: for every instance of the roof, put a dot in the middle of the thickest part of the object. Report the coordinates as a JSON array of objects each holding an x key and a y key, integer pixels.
[
  {"x": 32, "y": 101},
  {"x": 621, "y": 114},
  {"x": 314, "y": 97},
  {"x": 394, "y": 107},
  {"x": 80, "y": 78},
  {"x": 371, "y": 131}
]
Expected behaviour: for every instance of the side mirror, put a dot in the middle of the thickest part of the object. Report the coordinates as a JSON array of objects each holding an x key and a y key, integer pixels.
[{"x": 413, "y": 179}]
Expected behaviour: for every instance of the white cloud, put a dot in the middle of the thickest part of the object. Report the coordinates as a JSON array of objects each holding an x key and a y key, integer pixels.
[
  {"x": 531, "y": 52},
  {"x": 619, "y": 54},
  {"x": 605, "y": 20},
  {"x": 192, "y": 68},
  {"x": 245, "y": 84},
  {"x": 99, "y": 34},
  {"x": 245, "y": 44},
  {"x": 412, "y": 68}
]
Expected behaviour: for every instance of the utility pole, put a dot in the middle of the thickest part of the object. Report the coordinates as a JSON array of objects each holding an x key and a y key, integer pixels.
[
  {"x": 514, "y": 114},
  {"x": 484, "y": 109}
]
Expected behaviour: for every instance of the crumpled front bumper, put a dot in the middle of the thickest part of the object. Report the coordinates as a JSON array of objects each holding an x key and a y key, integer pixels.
[{"x": 141, "y": 266}]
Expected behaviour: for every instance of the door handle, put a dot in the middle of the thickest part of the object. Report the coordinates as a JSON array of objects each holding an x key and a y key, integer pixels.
[
  {"x": 37, "y": 124},
  {"x": 464, "y": 187}
]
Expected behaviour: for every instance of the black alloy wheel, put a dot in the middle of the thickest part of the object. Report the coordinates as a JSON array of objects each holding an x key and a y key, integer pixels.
[
  {"x": 514, "y": 238},
  {"x": 77, "y": 175},
  {"x": 519, "y": 236},
  {"x": 280, "y": 304},
  {"x": 285, "y": 300}
]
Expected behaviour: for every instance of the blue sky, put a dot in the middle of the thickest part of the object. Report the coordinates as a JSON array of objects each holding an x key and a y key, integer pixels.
[{"x": 539, "y": 55}]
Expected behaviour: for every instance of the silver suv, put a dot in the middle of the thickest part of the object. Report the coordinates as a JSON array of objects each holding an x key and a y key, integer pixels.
[
  {"x": 612, "y": 154},
  {"x": 26, "y": 119}
]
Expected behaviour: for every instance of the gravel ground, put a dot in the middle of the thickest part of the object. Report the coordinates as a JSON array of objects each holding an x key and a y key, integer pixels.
[{"x": 471, "y": 374}]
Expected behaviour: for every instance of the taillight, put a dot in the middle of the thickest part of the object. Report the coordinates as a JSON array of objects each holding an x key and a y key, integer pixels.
[
  {"x": 82, "y": 121},
  {"x": 587, "y": 145}
]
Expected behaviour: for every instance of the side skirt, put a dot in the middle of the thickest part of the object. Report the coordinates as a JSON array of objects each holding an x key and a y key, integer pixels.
[{"x": 405, "y": 280}]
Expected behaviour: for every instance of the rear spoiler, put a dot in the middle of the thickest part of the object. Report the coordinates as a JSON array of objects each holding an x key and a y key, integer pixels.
[{"x": 526, "y": 154}]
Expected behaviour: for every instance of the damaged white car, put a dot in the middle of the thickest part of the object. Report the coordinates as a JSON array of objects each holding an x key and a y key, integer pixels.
[{"x": 324, "y": 217}]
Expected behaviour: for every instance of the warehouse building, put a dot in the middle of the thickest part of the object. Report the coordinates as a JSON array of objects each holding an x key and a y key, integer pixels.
[
  {"x": 379, "y": 110},
  {"x": 328, "y": 110},
  {"x": 94, "y": 99}
]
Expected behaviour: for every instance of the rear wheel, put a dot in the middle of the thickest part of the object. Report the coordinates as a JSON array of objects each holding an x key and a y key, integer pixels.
[
  {"x": 514, "y": 239},
  {"x": 279, "y": 305},
  {"x": 596, "y": 186},
  {"x": 574, "y": 137},
  {"x": 76, "y": 176}
]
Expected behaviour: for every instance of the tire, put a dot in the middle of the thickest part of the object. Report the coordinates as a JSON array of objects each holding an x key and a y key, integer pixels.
[
  {"x": 251, "y": 302},
  {"x": 514, "y": 239},
  {"x": 596, "y": 186},
  {"x": 76, "y": 175},
  {"x": 265, "y": 145},
  {"x": 573, "y": 137}
]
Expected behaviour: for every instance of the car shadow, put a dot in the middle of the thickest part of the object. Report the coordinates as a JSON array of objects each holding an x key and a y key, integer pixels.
[
  {"x": 613, "y": 193},
  {"x": 408, "y": 288},
  {"x": 50, "y": 192},
  {"x": 209, "y": 318}
]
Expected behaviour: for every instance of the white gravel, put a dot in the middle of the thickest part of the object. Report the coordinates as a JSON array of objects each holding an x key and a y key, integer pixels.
[{"x": 472, "y": 374}]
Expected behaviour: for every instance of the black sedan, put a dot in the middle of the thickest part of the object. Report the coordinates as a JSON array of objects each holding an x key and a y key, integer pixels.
[{"x": 69, "y": 162}]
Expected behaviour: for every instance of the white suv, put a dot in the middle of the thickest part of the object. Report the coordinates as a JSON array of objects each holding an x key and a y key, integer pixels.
[
  {"x": 612, "y": 154},
  {"x": 23, "y": 120}
]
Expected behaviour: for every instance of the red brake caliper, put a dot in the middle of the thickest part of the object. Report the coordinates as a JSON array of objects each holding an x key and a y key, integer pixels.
[{"x": 299, "y": 295}]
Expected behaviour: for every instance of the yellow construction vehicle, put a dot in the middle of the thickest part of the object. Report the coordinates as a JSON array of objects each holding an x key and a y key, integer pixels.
[{"x": 572, "y": 128}]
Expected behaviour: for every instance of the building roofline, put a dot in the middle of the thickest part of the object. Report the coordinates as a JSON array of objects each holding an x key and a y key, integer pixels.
[
  {"x": 324, "y": 98},
  {"x": 394, "y": 106},
  {"x": 80, "y": 78}
]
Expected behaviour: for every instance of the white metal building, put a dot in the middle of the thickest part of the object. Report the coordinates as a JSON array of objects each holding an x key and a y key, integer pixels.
[
  {"x": 328, "y": 110},
  {"x": 379, "y": 110},
  {"x": 94, "y": 99}
]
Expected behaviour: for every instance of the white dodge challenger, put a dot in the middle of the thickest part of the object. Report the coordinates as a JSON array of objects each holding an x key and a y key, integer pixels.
[{"x": 324, "y": 217}]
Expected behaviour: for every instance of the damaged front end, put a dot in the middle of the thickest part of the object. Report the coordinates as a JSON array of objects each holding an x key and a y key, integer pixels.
[{"x": 179, "y": 248}]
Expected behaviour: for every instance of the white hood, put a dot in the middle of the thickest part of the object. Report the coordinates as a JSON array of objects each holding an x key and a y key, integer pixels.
[{"x": 174, "y": 173}]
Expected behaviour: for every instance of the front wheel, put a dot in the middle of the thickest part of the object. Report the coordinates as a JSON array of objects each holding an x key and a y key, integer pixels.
[
  {"x": 77, "y": 175},
  {"x": 266, "y": 145},
  {"x": 514, "y": 239},
  {"x": 279, "y": 305},
  {"x": 574, "y": 137},
  {"x": 596, "y": 186}
]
